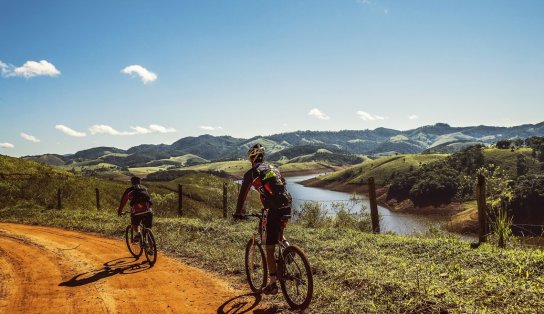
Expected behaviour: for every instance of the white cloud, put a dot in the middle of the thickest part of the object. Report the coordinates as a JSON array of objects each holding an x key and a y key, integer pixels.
[
  {"x": 106, "y": 129},
  {"x": 140, "y": 130},
  {"x": 6, "y": 145},
  {"x": 29, "y": 69},
  {"x": 161, "y": 129},
  {"x": 369, "y": 117},
  {"x": 318, "y": 114},
  {"x": 29, "y": 137},
  {"x": 66, "y": 130},
  {"x": 413, "y": 117},
  {"x": 210, "y": 128},
  {"x": 138, "y": 70}
]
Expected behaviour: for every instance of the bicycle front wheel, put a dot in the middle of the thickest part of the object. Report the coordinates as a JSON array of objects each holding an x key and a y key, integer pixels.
[
  {"x": 256, "y": 268},
  {"x": 133, "y": 247},
  {"x": 150, "y": 247},
  {"x": 297, "y": 283}
]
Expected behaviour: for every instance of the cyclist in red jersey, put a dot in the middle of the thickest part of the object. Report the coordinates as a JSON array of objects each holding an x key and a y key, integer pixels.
[
  {"x": 268, "y": 181},
  {"x": 140, "y": 206}
]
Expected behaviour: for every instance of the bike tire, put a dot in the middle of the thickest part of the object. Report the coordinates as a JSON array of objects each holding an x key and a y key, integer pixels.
[
  {"x": 256, "y": 267},
  {"x": 296, "y": 274},
  {"x": 134, "y": 249},
  {"x": 150, "y": 249}
]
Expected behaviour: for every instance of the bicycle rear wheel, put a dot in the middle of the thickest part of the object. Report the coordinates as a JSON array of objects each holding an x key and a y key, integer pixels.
[
  {"x": 150, "y": 247},
  {"x": 297, "y": 283},
  {"x": 134, "y": 248},
  {"x": 256, "y": 268}
]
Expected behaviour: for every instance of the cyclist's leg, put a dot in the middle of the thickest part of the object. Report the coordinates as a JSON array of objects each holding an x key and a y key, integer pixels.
[
  {"x": 135, "y": 221},
  {"x": 272, "y": 234},
  {"x": 147, "y": 220}
]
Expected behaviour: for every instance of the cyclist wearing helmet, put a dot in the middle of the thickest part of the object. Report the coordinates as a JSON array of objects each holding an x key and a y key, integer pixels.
[
  {"x": 140, "y": 206},
  {"x": 268, "y": 181}
]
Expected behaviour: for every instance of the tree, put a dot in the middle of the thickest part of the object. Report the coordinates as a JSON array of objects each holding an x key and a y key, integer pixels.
[
  {"x": 521, "y": 165},
  {"x": 504, "y": 144}
]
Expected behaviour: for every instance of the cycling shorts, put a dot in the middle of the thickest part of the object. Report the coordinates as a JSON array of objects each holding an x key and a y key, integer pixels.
[
  {"x": 146, "y": 219},
  {"x": 271, "y": 224}
]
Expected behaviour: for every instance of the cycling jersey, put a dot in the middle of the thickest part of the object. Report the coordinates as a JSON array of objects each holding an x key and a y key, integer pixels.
[
  {"x": 137, "y": 206},
  {"x": 268, "y": 181}
]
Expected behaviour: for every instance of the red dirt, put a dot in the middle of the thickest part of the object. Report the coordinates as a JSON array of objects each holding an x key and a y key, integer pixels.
[{"x": 50, "y": 270}]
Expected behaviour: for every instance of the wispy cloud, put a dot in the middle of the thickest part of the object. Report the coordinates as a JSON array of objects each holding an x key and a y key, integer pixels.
[
  {"x": 138, "y": 70},
  {"x": 29, "y": 69},
  {"x": 6, "y": 145},
  {"x": 413, "y": 117},
  {"x": 369, "y": 117},
  {"x": 29, "y": 137},
  {"x": 318, "y": 114},
  {"x": 106, "y": 129},
  {"x": 66, "y": 130},
  {"x": 160, "y": 129},
  {"x": 210, "y": 128}
]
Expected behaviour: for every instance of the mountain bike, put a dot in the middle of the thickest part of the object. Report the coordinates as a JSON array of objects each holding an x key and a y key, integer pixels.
[
  {"x": 293, "y": 269},
  {"x": 146, "y": 242}
]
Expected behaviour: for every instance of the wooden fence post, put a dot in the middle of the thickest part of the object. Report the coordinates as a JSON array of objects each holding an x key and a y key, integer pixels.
[
  {"x": 97, "y": 192},
  {"x": 180, "y": 199},
  {"x": 482, "y": 218},
  {"x": 373, "y": 206},
  {"x": 224, "y": 199},
  {"x": 59, "y": 199}
]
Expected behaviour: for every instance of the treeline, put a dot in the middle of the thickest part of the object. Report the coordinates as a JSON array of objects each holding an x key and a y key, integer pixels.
[
  {"x": 453, "y": 179},
  {"x": 536, "y": 143}
]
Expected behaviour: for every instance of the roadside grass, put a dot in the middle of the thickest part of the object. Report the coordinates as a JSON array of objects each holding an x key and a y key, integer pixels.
[{"x": 355, "y": 272}]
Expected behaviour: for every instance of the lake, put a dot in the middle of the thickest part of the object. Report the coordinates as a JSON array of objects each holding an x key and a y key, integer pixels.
[{"x": 390, "y": 221}]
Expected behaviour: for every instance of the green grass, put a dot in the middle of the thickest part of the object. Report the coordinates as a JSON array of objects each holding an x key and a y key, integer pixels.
[
  {"x": 507, "y": 159},
  {"x": 355, "y": 272}
]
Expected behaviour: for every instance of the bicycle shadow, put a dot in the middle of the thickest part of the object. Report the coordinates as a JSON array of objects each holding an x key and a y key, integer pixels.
[
  {"x": 245, "y": 303},
  {"x": 118, "y": 266}
]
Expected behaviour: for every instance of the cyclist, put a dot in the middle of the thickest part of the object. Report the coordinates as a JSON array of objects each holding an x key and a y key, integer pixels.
[
  {"x": 268, "y": 181},
  {"x": 140, "y": 206}
]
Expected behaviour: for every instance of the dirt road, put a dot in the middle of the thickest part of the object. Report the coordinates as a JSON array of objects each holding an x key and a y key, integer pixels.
[{"x": 50, "y": 270}]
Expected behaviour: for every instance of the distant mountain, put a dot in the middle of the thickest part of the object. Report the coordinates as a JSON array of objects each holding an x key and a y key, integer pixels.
[{"x": 439, "y": 137}]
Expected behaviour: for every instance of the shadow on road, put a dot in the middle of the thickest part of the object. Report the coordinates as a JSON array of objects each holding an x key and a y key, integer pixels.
[
  {"x": 245, "y": 304},
  {"x": 123, "y": 266}
]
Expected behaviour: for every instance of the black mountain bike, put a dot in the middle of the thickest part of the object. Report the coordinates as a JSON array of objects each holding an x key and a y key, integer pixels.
[
  {"x": 293, "y": 269},
  {"x": 146, "y": 243}
]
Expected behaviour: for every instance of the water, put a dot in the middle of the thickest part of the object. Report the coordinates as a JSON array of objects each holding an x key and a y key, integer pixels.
[{"x": 390, "y": 221}]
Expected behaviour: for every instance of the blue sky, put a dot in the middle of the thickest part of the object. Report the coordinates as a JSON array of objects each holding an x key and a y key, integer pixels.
[{"x": 81, "y": 74}]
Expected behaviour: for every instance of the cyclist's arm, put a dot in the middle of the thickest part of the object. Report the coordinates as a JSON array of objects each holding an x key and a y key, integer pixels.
[
  {"x": 244, "y": 190},
  {"x": 124, "y": 200}
]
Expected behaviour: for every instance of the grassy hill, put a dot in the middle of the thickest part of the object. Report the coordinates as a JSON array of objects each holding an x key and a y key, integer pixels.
[
  {"x": 38, "y": 188},
  {"x": 382, "y": 169}
]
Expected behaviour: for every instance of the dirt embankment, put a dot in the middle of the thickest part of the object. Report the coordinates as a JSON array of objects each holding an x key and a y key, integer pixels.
[{"x": 50, "y": 270}]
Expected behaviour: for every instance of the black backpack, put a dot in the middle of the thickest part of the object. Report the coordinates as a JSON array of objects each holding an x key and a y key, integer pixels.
[
  {"x": 280, "y": 197},
  {"x": 140, "y": 195}
]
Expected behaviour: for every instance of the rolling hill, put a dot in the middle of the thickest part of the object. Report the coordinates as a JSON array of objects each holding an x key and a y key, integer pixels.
[{"x": 339, "y": 147}]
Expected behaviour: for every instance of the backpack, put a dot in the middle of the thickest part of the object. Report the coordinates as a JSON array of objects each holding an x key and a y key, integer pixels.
[
  {"x": 270, "y": 175},
  {"x": 141, "y": 201}
]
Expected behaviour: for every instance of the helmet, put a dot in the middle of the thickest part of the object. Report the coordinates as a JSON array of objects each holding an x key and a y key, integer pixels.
[
  {"x": 135, "y": 180},
  {"x": 255, "y": 153}
]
